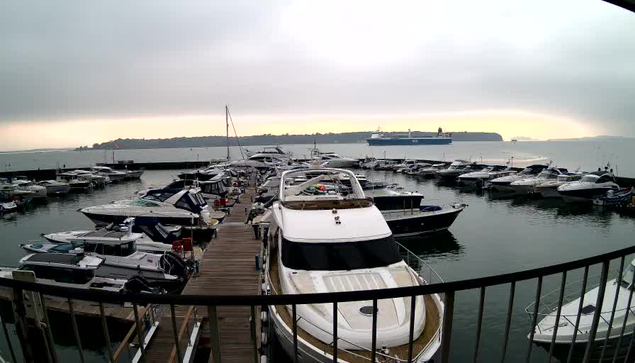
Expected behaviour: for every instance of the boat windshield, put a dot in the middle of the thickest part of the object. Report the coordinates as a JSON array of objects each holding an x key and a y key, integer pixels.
[
  {"x": 338, "y": 256},
  {"x": 589, "y": 178},
  {"x": 547, "y": 174},
  {"x": 66, "y": 247},
  {"x": 627, "y": 276}
]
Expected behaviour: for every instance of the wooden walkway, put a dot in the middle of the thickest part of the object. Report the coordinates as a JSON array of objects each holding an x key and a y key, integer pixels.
[{"x": 227, "y": 268}]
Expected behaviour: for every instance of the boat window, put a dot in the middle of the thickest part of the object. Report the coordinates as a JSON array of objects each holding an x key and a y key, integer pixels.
[
  {"x": 108, "y": 250},
  {"x": 65, "y": 247},
  {"x": 627, "y": 276},
  {"x": 69, "y": 276},
  {"x": 90, "y": 247},
  {"x": 605, "y": 179},
  {"x": 186, "y": 202},
  {"x": 589, "y": 178},
  {"x": 158, "y": 195},
  {"x": 339, "y": 256},
  {"x": 144, "y": 203},
  {"x": 127, "y": 249}
]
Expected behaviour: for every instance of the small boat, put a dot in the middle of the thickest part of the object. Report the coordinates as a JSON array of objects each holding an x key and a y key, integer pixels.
[
  {"x": 269, "y": 150},
  {"x": 115, "y": 176},
  {"x": 414, "y": 169},
  {"x": 549, "y": 188},
  {"x": 528, "y": 185},
  {"x": 133, "y": 174},
  {"x": 611, "y": 320},
  {"x": 615, "y": 198},
  {"x": 422, "y": 220},
  {"x": 399, "y": 168},
  {"x": 122, "y": 260},
  {"x": 591, "y": 186},
  {"x": 482, "y": 176},
  {"x": 368, "y": 163},
  {"x": 96, "y": 180},
  {"x": 7, "y": 207},
  {"x": 431, "y": 171},
  {"x": 39, "y": 192},
  {"x": 54, "y": 187},
  {"x": 74, "y": 271},
  {"x": 458, "y": 168},
  {"x": 76, "y": 181},
  {"x": 384, "y": 164},
  {"x": 502, "y": 184}
]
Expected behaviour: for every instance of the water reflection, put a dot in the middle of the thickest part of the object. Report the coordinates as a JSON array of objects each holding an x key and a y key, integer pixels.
[{"x": 439, "y": 245}]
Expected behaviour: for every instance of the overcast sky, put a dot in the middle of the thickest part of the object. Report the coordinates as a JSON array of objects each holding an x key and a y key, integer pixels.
[{"x": 279, "y": 64}]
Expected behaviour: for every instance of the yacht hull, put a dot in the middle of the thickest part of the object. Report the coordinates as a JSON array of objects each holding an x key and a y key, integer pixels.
[
  {"x": 106, "y": 219},
  {"x": 407, "y": 224},
  {"x": 561, "y": 350},
  {"x": 582, "y": 195}
]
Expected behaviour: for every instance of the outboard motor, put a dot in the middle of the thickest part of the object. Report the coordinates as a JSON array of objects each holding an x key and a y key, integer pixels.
[
  {"x": 173, "y": 264},
  {"x": 138, "y": 284}
]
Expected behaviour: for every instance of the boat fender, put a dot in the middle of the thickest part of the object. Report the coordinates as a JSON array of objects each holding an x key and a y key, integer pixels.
[
  {"x": 264, "y": 288},
  {"x": 263, "y": 339},
  {"x": 263, "y": 359},
  {"x": 263, "y": 316}
]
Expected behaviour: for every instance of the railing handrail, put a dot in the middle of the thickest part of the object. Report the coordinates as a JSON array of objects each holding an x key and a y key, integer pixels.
[{"x": 314, "y": 298}]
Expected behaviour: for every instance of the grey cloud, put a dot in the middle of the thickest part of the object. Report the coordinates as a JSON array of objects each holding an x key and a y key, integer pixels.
[{"x": 78, "y": 59}]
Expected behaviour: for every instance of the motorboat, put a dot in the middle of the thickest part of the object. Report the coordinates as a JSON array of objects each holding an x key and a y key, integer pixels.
[
  {"x": 401, "y": 167},
  {"x": 97, "y": 180},
  {"x": 133, "y": 174},
  {"x": 384, "y": 164},
  {"x": 431, "y": 171},
  {"x": 482, "y": 176},
  {"x": 591, "y": 186},
  {"x": 333, "y": 160},
  {"x": 422, "y": 219},
  {"x": 616, "y": 198},
  {"x": 54, "y": 187},
  {"x": 76, "y": 181},
  {"x": 457, "y": 168},
  {"x": 148, "y": 234},
  {"x": 616, "y": 306},
  {"x": 182, "y": 207},
  {"x": 414, "y": 169},
  {"x": 7, "y": 207},
  {"x": 39, "y": 192},
  {"x": 211, "y": 190},
  {"x": 528, "y": 185},
  {"x": 394, "y": 197},
  {"x": 201, "y": 174},
  {"x": 122, "y": 259},
  {"x": 114, "y": 175},
  {"x": 326, "y": 240},
  {"x": 268, "y": 151},
  {"x": 502, "y": 184},
  {"x": 74, "y": 271},
  {"x": 368, "y": 163},
  {"x": 549, "y": 188},
  {"x": 9, "y": 192}
]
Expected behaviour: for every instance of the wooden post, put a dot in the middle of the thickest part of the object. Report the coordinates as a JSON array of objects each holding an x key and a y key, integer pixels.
[{"x": 214, "y": 333}]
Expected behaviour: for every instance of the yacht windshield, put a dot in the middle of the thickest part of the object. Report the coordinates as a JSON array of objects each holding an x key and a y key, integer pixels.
[
  {"x": 590, "y": 178},
  {"x": 333, "y": 256},
  {"x": 627, "y": 276}
]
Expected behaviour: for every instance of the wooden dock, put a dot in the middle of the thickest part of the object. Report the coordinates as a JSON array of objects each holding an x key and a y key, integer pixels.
[{"x": 227, "y": 268}]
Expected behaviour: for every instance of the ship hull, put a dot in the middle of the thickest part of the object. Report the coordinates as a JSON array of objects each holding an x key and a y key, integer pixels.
[{"x": 410, "y": 141}]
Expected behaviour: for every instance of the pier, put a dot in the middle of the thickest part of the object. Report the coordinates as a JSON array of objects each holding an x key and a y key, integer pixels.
[{"x": 227, "y": 268}]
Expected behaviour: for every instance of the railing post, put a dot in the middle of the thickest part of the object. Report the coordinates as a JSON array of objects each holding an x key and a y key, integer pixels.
[
  {"x": 510, "y": 307},
  {"x": 335, "y": 316},
  {"x": 598, "y": 312},
  {"x": 373, "y": 352},
  {"x": 214, "y": 333},
  {"x": 21, "y": 325},
  {"x": 447, "y": 326},
  {"x": 534, "y": 318},
  {"x": 577, "y": 319},
  {"x": 177, "y": 342},
  {"x": 254, "y": 333},
  {"x": 479, "y": 323}
]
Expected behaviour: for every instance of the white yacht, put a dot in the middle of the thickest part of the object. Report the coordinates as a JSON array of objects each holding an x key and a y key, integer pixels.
[
  {"x": 76, "y": 181},
  {"x": 39, "y": 192},
  {"x": 182, "y": 207},
  {"x": 54, "y": 187},
  {"x": 549, "y": 188},
  {"x": 114, "y": 175},
  {"x": 401, "y": 167},
  {"x": 133, "y": 174},
  {"x": 325, "y": 239},
  {"x": 333, "y": 160},
  {"x": 589, "y": 187},
  {"x": 415, "y": 168},
  {"x": 269, "y": 151},
  {"x": 482, "y": 176},
  {"x": 431, "y": 171},
  {"x": 548, "y": 314},
  {"x": 457, "y": 168},
  {"x": 76, "y": 271},
  {"x": 97, "y": 180},
  {"x": 502, "y": 184},
  {"x": 528, "y": 185}
]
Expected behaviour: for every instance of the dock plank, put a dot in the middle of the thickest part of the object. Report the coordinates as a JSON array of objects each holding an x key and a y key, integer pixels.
[{"x": 227, "y": 268}]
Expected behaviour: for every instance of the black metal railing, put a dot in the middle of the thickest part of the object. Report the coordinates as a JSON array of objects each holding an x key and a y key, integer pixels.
[{"x": 613, "y": 345}]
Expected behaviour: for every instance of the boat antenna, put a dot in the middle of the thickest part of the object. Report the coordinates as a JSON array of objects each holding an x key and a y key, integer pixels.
[{"x": 227, "y": 128}]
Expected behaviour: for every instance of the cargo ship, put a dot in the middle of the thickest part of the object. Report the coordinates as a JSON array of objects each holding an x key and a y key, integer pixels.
[{"x": 381, "y": 140}]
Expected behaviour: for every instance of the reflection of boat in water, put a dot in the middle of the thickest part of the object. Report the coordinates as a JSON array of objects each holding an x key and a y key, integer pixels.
[{"x": 438, "y": 244}]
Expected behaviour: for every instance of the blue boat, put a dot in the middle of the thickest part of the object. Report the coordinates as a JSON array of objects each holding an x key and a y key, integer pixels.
[{"x": 381, "y": 140}]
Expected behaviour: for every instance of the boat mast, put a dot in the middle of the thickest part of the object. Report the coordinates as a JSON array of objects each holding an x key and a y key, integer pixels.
[{"x": 227, "y": 127}]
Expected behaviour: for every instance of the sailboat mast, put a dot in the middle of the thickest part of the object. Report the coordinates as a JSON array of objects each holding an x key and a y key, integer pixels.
[{"x": 227, "y": 127}]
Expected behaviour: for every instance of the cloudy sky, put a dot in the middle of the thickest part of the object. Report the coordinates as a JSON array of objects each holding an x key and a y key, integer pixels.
[{"x": 76, "y": 72}]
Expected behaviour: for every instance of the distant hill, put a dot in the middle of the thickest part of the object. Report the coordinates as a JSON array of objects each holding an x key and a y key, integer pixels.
[{"x": 330, "y": 138}]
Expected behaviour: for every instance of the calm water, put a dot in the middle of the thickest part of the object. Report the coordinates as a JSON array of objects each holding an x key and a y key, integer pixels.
[{"x": 491, "y": 236}]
